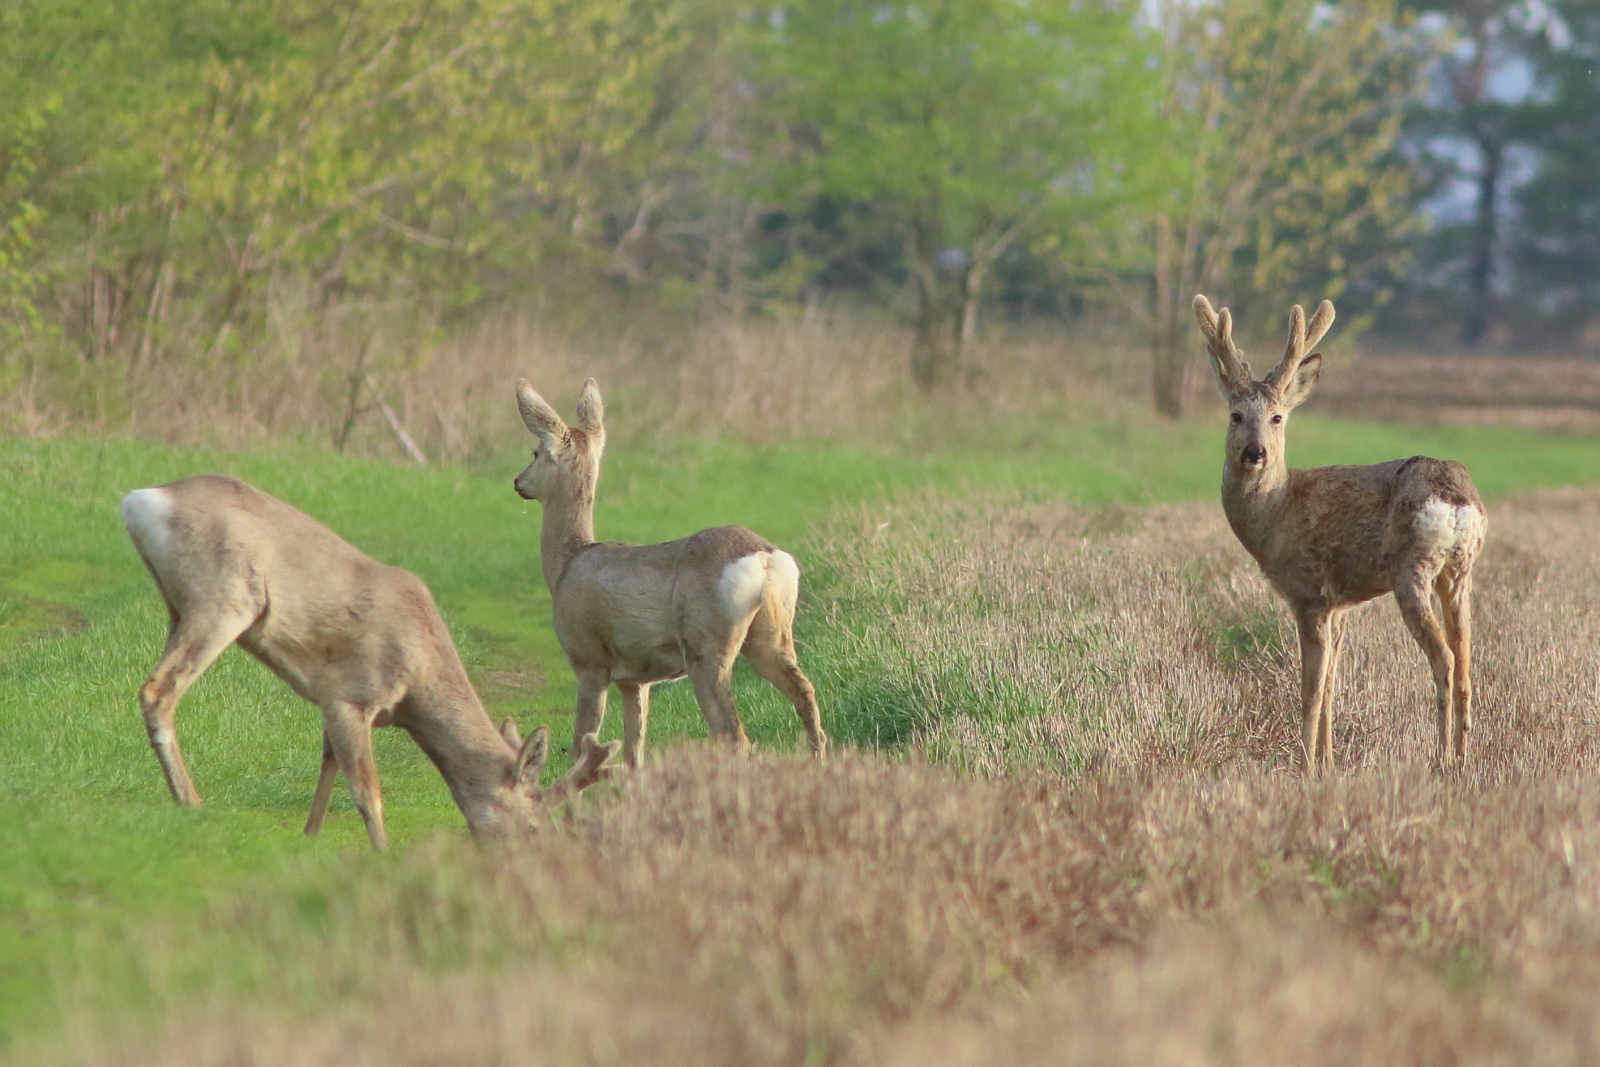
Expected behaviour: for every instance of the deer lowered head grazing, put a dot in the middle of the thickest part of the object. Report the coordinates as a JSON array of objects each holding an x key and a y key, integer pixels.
[
  {"x": 638, "y": 614},
  {"x": 1334, "y": 537},
  {"x": 362, "y": 641}
]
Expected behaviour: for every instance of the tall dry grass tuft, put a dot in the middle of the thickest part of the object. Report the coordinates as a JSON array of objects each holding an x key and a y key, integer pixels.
[
  {"x": 767, "y": 911},
  {"x": 821, "y": 372}
]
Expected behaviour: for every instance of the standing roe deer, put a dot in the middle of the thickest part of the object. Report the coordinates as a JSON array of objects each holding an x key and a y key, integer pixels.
[
  {"x": 637, "y": 614},
  {"x": 1334, "y": 537},
  {"x": 362, "y": 641}
]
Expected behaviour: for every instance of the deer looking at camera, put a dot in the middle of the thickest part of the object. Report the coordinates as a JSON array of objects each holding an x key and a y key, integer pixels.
[
  {"x": 638, "y": 614},
  {"x": 362, "y": 641},
  {"x": 1334, "y": 537}
]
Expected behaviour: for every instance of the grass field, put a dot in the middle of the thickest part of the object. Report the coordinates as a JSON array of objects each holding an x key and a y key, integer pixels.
[{"x": 115, "y": 905}]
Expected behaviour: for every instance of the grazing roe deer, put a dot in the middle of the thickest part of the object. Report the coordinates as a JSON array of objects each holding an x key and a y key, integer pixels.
[
  {"x": 362, "y": 641},
  {"x": 1334, "y": 537},
  {"x": 638, "y": 614}
]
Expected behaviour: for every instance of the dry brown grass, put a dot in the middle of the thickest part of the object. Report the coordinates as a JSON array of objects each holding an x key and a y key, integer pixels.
[
  {"x": 822, "y": 372},
  {"x": 1050, "y": 636},
  {"x": 1134, "y": 875}
]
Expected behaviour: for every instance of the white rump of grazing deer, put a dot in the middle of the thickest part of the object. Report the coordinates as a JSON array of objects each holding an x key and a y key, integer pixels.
[
  {"x": 1334, "y": 537},
  {"x": 638, "y": 614},
  {"x": 362, "y": 641}
]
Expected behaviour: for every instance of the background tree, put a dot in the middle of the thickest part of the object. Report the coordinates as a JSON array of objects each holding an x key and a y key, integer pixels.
[
  {"x": 1471, "y": 132},
  {"x": 956, "y": 130},
  {"x": 1556, "y": 249},
  {"x": 1283, "y": 115}
]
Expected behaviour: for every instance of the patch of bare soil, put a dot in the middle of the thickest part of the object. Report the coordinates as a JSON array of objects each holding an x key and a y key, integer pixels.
[{"x": 1539, "y": 393}]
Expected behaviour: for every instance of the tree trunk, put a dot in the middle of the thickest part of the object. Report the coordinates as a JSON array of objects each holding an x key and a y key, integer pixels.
[
  {"x": 1166, "y": 355},
  {"x": 1478, "y": 314},
  {"x": 933, "y": 348},
  {"x": 932, "y": 354}
]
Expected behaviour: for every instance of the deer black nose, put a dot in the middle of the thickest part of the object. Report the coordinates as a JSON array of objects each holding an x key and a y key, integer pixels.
[{"x": 1253, "y": 454}]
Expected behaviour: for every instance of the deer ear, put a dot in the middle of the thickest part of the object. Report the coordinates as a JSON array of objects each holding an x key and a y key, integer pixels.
[
  {"x": 530, "y": 760},
  {"x": 1297, "y": 389},
  {"x": 539, "y": 417},
  {"x": 591, "y": 417},
  {"x": 509, "y": 731},
  {"x": 591, "y": 412}
]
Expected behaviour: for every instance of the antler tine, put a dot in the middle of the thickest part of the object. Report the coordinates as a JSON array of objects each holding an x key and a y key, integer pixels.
[
  {"x": 1302, "y": 338},
  {"x": 588, "y": 768},
  {"x": 1218, "y": 328},
  {"x": 1296, "y": 349},
  {"x": 1320, "y": 322}
]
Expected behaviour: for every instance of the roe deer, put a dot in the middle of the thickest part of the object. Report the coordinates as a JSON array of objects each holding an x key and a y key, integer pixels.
[
  {"x": 1334, "y": 537},
  {"x": 637, "y": 614},
  {"x": 362, "y": 641}
]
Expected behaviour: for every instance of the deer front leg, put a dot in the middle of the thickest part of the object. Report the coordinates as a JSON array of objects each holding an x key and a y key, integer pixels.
[
  {"x": 348, "y": 728},
  {"x": 1315, "y": 739},
  {"x": 591, "y": 709},
  {"x": 635, "y": 721},
  {"x": 319, "y": 799},
  {"x": 1330, "y": 677}
]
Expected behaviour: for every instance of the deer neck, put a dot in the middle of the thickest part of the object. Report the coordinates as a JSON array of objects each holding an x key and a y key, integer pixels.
[
  {"x": 1253, "y": 500},
  {"x": 451, "y": 726},
  {"x": 568, "y": 528}
]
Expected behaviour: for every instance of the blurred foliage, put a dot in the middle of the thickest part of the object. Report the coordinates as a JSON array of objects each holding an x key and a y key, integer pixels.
[{"x": 211, "y": 183}]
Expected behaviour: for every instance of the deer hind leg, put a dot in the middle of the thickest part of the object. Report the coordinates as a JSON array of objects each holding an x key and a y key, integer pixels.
[
  {"x": 635, "y": 722},
  {"x": 712, "y": 674},
  {"x": 1415, "y": 597},
  {"x": 769, "y": 648},
  {"x": 1455, "y": 597},
  {"x": 319, "y": 799},
  {"x": 1314, "y": 661},
  {"x": 348, "y": 729},
  {"x": 193, "y": 643}
]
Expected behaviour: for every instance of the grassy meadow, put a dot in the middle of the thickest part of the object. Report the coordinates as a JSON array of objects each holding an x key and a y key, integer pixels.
[{"x": 1061, "y": 700}]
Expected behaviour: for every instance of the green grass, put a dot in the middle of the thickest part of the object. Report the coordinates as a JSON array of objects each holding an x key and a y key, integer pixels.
[{"x": 90, "y": 845}]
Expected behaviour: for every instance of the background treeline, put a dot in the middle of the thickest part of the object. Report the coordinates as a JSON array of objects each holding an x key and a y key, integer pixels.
[{"x": 285, "y": 196}]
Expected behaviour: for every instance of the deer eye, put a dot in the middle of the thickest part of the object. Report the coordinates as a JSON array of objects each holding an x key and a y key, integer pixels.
[
  {"x": 1237, "y": 418},
  {"x": 1276, "y": 419}
]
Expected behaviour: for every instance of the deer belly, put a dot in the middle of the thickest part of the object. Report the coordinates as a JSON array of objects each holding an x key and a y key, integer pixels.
[{"x": 657, "y": 664}]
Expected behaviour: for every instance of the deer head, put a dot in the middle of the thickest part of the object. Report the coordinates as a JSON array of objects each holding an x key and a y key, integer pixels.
[
  {"x": 1258, "y": 411},
  {"x": 565, "y": 457},
  {"x": 518, "y": 802}
]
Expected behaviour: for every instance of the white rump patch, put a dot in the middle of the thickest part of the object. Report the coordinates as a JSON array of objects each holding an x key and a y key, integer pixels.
[
  {"x": 784, "y": 575},
  {"x": 741, "y": 583},
  {"x": 147, "y": 513},
  {"x": 747, "y": 579},
  {"x": 1441, "y": 527}
]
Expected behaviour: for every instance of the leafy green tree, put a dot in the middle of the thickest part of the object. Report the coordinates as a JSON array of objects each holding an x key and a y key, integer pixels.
[
  {"x": 1479, "y": 113},
  {"x": 958, "y": 128},
  {"x": 1282, "y": 117},
  {"x": 1557, "y": 247}
]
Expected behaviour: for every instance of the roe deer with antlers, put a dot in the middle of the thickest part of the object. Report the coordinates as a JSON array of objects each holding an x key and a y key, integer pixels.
[
  {"x": 362, "y": 641},
  {"x": 1334, "y": 537},
  {"x": 638, "y": 614}
]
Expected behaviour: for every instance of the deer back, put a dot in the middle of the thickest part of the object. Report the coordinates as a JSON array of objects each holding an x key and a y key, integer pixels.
[
  {"x": 1341, "y": 534},
  {"x": 640, "y": 609}
]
